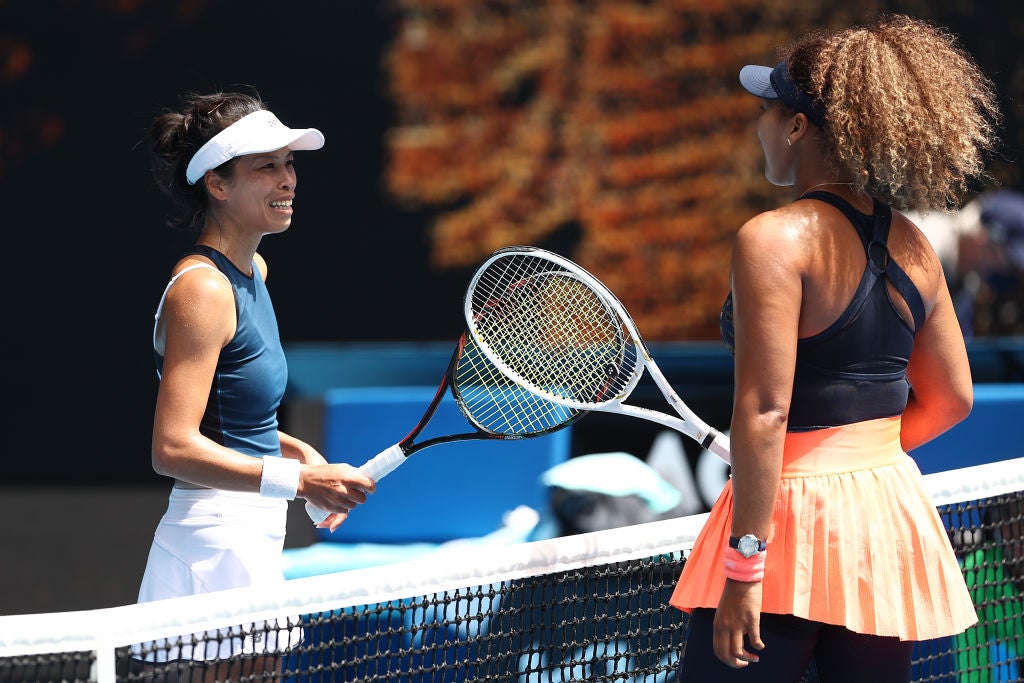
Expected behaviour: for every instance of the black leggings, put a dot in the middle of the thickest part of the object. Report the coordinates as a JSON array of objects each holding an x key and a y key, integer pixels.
[{"x": 839, "y": 655}]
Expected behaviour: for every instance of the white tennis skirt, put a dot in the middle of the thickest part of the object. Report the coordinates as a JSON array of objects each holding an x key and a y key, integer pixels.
[{"x": 211, "y": 540}]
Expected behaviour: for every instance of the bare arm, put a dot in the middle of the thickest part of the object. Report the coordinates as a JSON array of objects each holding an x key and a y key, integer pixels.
[
  {"x": 767, "y": 294},
  {"x": 942, "y": 392},
  {"x": 198, "y": 320}
]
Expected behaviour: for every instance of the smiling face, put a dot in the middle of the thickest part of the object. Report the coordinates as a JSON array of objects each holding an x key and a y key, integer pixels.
[{"x": 260, "y": 191}]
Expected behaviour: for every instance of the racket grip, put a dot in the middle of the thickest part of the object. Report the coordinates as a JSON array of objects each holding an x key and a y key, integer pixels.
[
  {"x": 375, "y": 468},
  {"x": 382, "y": 464},
  {"x": 316, "y": 514},
  {"x": 720, "y": 447}
]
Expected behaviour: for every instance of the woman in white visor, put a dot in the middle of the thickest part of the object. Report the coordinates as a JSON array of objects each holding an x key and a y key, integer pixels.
[{"x": 227, "y": 164}]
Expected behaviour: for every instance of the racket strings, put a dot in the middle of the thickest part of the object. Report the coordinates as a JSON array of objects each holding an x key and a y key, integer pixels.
[
  {"x": 552, "y": 330},
  {"x": 496, "y": 404}
]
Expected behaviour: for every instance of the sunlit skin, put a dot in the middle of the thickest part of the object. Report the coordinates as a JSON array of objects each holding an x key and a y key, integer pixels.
[
  {"x": 199, "y": 320},
  {"x": 794, "y": 271}
]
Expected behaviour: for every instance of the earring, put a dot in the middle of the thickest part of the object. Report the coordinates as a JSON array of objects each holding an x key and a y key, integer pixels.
[{"x": 789, "y": 142}]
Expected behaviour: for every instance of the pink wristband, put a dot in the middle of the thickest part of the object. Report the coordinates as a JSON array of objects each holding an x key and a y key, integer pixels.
[{"x": 745, "y": 569}]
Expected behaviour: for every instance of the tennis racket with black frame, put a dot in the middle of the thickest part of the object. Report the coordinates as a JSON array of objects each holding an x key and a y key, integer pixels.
[
  {"x": 495, "y": 407},
  {"x": 554, "y": 329}
]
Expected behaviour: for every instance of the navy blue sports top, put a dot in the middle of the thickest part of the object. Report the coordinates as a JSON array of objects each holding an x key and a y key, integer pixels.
[
  {"x": 251, "y": 374},
  {"x": 856, "y": 369}
]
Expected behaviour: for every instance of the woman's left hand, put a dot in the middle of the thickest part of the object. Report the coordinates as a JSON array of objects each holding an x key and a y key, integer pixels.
[{"x": 333, "y": 521}]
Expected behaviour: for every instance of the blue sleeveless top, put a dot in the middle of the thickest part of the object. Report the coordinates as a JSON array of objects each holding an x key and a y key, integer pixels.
[
  {"x": 856, "y": 369},
  {"x": 251, "y": 375}
]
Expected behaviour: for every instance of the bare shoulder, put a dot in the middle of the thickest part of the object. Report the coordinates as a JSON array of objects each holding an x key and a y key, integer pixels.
[
  {"x": 784, "y": 232},
  {"x": 905, "y": 234},
  {"x": 199, "y": 293}
]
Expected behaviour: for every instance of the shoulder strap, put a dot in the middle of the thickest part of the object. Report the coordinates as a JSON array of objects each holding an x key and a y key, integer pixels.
[
  {"x": 881, "y": 262},
  {"x": 203, "y": 250},
  {"x": 855, "y": 216},
  {"x": 876, "y": 245},
  {"x": 221, "y": 261}
]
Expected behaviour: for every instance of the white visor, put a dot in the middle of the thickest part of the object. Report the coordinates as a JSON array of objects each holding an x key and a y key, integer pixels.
[{"x": 254, "y": 133}]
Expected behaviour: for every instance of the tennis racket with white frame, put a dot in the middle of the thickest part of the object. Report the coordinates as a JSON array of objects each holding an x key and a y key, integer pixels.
[
  {"x": 494, "y": 406},
  {"x": 556, "y": 330}
]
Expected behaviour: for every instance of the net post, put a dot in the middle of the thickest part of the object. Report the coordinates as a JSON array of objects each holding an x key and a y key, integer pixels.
[{"x": 105, "y": 668}]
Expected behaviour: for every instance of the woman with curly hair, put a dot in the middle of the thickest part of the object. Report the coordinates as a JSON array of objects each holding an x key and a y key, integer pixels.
[{"x": 824, "y": 546}]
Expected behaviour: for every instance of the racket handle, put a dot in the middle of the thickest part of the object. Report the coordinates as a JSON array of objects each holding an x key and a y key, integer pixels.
[
  {"x": 316, "y": 514},
  {"x": 720, "y": 447},
  {"x": 382, "y": 464},
  {"x": 376, "y": 468}
]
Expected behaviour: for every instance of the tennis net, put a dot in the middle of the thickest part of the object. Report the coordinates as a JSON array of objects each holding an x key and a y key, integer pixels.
[{"x": 589, "y": 607}]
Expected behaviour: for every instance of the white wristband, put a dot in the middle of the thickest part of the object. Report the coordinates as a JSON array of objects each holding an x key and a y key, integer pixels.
[{"x": 280, "y": 477}]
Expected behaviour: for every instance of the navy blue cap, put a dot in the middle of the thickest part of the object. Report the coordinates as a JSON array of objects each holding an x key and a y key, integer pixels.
[{"x": 776, "y": 84}]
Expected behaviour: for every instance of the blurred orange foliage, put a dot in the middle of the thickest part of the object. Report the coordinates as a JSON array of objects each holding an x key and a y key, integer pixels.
[{"x": 622, "y": 119}]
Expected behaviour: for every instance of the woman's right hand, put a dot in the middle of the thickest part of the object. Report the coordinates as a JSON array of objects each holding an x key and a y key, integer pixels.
[{"x": 336, "y": 488}]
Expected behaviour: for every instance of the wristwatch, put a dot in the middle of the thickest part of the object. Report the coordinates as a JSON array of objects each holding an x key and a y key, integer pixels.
[{"x": 748, "y": 545}]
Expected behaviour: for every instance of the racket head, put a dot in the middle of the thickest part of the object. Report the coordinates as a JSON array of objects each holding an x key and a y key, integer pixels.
[
  {"x": 495, "y": 404},
  {"x": 553, "y": 328}
]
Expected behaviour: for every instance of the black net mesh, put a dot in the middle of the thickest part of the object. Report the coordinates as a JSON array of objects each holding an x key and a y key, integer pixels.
[{"x": 602, "y": 621}]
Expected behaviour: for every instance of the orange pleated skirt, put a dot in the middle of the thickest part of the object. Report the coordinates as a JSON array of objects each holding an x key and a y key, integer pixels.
[{"x": 854, "y": 540}]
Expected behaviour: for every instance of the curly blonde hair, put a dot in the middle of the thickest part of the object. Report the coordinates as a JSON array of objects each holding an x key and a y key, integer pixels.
[{"x": 909, "y": 114}]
